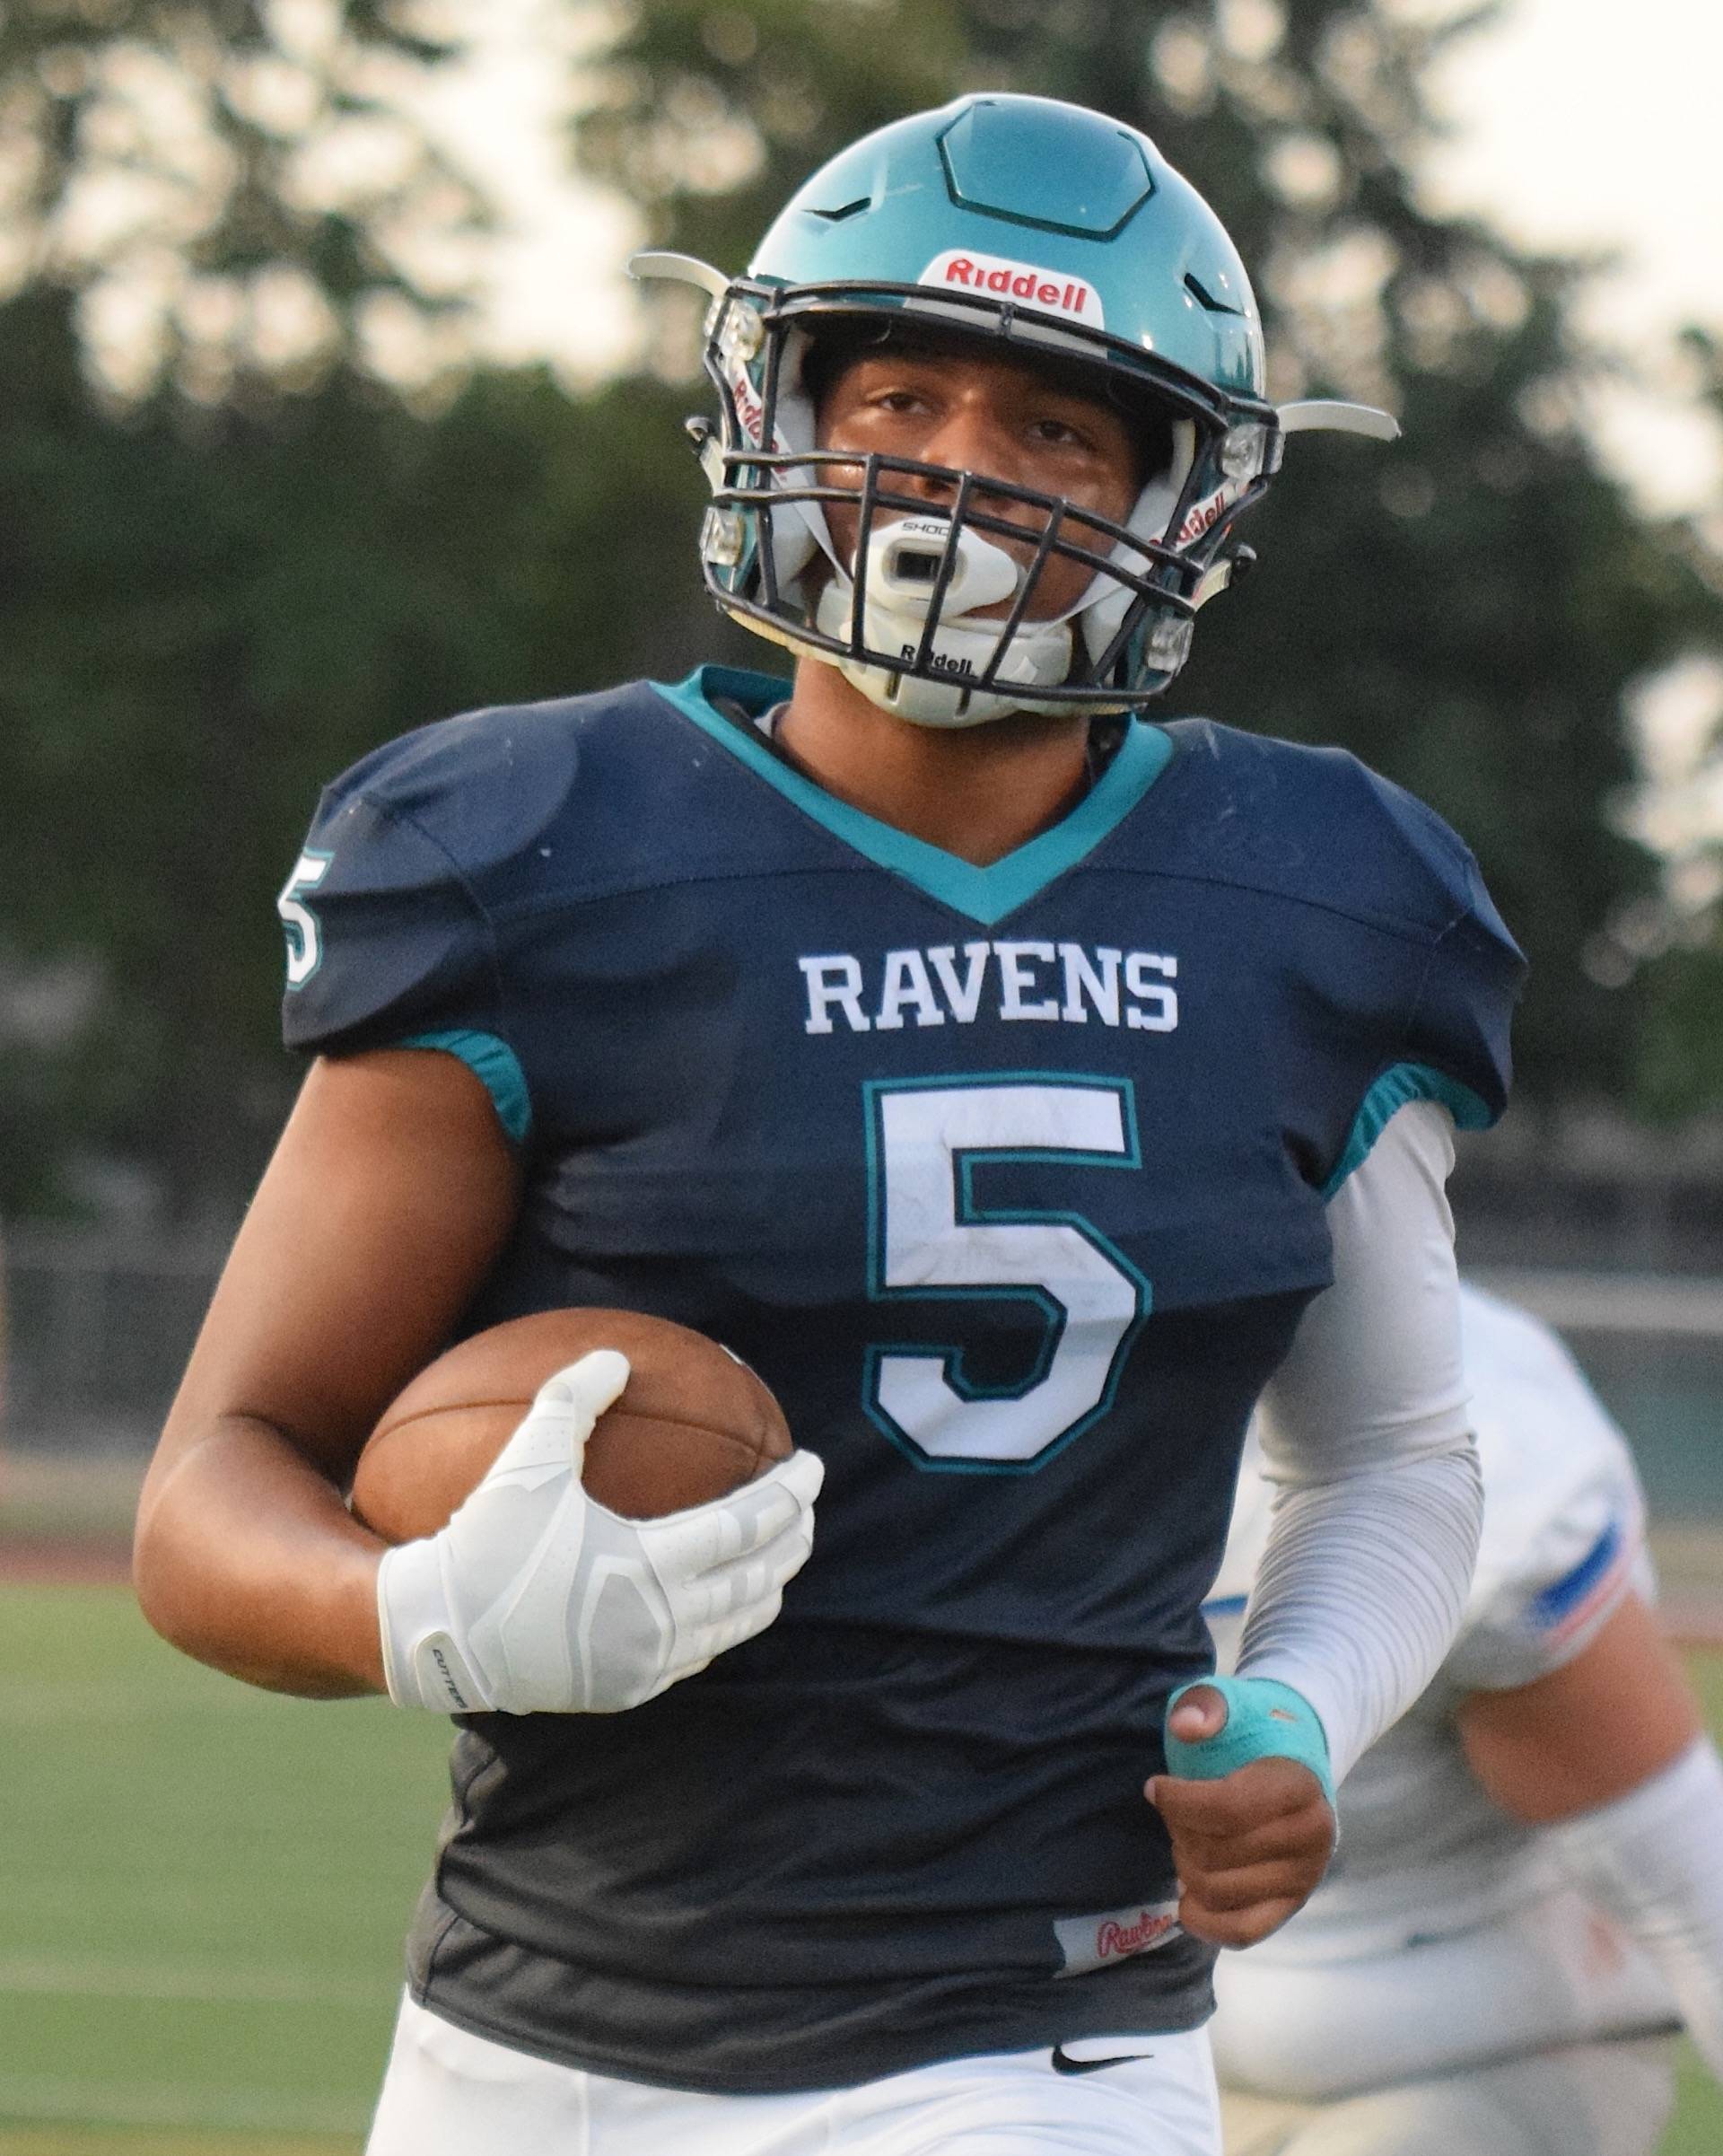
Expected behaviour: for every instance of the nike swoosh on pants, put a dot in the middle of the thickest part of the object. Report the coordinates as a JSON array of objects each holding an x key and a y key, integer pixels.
[{"x": 1062, "y": 2063}]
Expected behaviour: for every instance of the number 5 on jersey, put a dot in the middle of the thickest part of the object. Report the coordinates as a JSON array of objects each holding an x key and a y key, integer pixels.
[
  {"x": 304, "y": 940},
  {"x": 929, "y": 1237}
]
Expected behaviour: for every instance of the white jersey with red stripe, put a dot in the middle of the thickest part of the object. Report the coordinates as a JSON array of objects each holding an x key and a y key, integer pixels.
[{"x": 1423, "y": 1853}]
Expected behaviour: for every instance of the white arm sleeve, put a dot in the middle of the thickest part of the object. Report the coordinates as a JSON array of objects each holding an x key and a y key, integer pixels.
[
  {"x": 1653, "y": 1859},
  {"x": 1366, "y": 1433}
]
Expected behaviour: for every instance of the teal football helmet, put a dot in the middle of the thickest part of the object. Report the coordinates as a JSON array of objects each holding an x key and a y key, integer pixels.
[{"x": 1067, "y": 236}]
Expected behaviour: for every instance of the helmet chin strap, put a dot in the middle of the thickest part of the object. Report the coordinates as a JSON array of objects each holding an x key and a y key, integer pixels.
[{"x": 904, "y": 559}]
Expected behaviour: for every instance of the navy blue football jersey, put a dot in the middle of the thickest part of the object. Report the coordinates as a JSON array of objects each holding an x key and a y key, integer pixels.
[{"x": 1010, "y": 1181}]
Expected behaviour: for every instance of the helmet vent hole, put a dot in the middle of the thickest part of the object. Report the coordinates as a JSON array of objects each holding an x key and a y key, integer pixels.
[{"x": 1205, "y": 298}]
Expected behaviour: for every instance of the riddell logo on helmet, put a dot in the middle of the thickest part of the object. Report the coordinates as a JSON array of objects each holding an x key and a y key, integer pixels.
[
  {"x": 749, "y": 407},
  {"x": 1048, "y": 290},
  {"x": 1205, "y": 515}
]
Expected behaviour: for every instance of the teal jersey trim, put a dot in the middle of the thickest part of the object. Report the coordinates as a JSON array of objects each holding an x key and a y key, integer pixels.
[
  {"x": 496, "y": 1066},
  {"x": 1392, "y": 1091},
  {"x": 986, "y": 895}
]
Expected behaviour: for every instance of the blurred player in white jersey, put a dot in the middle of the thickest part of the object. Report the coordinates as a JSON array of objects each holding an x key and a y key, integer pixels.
[{"x": 1528, "y": 1892}]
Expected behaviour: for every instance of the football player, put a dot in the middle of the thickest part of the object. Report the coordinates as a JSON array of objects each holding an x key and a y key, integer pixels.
[
  {"x": 1530, "y": 1885},
  {"x": 1021, "y": 1087}
]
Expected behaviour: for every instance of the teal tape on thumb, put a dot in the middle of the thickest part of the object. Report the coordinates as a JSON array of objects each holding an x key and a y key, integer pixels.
[{"x": 1265, "y": 1720}]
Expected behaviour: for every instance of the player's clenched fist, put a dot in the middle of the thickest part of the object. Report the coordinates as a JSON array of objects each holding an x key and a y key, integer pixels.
[{"x": 1249, "y": 1845}]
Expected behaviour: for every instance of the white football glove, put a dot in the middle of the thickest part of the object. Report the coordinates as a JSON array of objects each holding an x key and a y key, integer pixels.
[{"x": 536, "y": 1599}]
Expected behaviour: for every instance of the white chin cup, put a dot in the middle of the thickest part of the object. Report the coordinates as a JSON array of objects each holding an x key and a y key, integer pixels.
[{"x": 903, "y": 572}]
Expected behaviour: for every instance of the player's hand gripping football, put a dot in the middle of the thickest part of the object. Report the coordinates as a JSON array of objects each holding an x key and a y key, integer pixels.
[
  {"x": 1250, "y": 1845},
  {"x": 536, "y": 1599}
]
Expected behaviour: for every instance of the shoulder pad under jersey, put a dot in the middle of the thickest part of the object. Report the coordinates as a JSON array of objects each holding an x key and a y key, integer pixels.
[
  {"x": 1396, "y": 937},
  {"x": 1317, "y": 824},
  {"x": 388, "y": 912}
]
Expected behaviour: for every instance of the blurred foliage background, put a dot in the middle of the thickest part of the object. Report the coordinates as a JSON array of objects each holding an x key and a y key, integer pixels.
[{"x": 266, "y": 505}]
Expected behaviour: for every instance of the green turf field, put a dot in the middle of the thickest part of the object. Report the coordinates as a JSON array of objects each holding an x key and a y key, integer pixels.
[{"x": 203, "y": 1892}]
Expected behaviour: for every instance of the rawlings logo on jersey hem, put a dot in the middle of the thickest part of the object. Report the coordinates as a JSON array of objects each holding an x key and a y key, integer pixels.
[{"x": 1092, "y": 1943}]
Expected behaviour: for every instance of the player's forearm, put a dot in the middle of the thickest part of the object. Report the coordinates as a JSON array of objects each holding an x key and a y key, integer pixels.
[
  {"x": 1361, "y": 1591},
  {"x": 247, "y": 1558},
  {"x": 1362, "y": 1585}
]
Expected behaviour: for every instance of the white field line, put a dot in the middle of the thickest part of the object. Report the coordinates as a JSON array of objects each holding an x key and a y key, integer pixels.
[
  {"x": 42, "y": 1976},
  {"x": 213, "y": 2110}
]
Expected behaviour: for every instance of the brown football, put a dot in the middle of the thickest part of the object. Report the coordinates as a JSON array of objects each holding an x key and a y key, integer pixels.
[{"x": 692, "y": 1422}]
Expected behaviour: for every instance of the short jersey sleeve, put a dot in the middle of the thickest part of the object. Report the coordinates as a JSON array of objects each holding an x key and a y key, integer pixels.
[
  {"x": 1563, "y": 1513},
  {"x": 1461, "y": 1022},
  {"x": 1452, "y": 1045},
  {"x": 384, "y": 937},
  {"x": 391, "y": 913}
]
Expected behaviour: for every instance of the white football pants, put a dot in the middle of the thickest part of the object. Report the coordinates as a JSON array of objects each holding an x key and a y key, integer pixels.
[
  {"x": 1532, "y": 2034},
  {"x": 1589, "y": 2100},
  {"x": 448, "y": 2093}
]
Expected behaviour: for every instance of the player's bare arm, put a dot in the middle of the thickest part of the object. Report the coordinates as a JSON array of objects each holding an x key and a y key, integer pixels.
[
  {"x": 1619, "y": 1712},
  {"x": 390, "y": 1195}
]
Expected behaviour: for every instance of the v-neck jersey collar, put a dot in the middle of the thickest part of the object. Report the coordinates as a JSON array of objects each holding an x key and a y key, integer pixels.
[{"x": 986, "y": 895}]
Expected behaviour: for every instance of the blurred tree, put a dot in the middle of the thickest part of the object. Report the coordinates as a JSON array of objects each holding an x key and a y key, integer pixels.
[
  {"x": 1678, "y": 940},
  {"x": 223, "y": 222},
  {"x": 232, "y": 189},
  {"x": 235, "y": 555},
  {"x": 205, "y": 209},
  {"x": 1466, "y": 610},
  {"x": 202, "y": 617}
]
